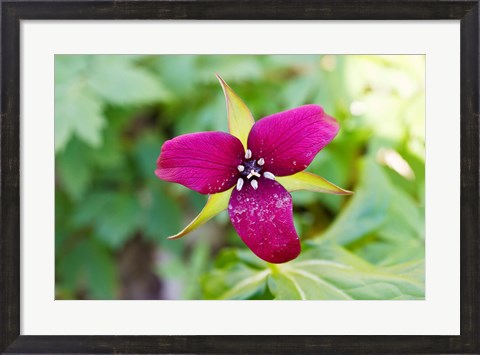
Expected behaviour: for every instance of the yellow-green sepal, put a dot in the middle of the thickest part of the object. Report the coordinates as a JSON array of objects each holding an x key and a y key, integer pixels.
[
  {"x": 311, "y": 182},
  {"x": 240, "y": 119},
  {"x": 215, "y": 204}
]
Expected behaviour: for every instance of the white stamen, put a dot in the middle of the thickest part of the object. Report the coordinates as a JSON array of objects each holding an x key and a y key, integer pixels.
[
  {"x": 248, "y": 154},
  {"x": 254, "y": 184},
  {"x": 261, "y": 161},
  {"x": 239, "y": 184},
  {"x": 240, "y": 168},
  {"x": 269, "y": 175}
]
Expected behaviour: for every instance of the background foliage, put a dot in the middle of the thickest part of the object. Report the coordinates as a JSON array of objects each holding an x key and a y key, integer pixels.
[{"x": 112, "y": 114}]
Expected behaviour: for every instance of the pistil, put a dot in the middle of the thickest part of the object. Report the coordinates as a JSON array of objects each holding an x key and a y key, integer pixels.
[{"x": 253, "y": 173}]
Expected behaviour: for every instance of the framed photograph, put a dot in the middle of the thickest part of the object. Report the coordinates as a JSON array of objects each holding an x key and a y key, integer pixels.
[{"x": 192, "y": 177}]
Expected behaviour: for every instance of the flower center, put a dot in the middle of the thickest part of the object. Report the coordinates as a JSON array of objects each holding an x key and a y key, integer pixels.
[{"x": 250, "y": 171}]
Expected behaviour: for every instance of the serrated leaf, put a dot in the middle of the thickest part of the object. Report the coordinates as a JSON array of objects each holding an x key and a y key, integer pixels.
[
  {"x": 237, "y": 68},
  {"x": 297, "y": 91},
  {"x": 162, "y": 216},
  {"x": 68, "y": 66},
  {"x": 122, "y": 83},
  {"x": 111, "y": 154},
  {"x": 101, "y": 273},
  {"x": 146, "y": 153},
  {"x": 89, "y": 208},
  {"x": 89, "y": 266},
  {"x": 215, "y": 204},
  {"x": 178, "y": 72},
  {"x": 70, "y": 267},
  {"x": 240, "y": 119},
  {"x": 73, "y": 167},
  {"x": 119, "y": 221},
  {"x": 311, "y": 182},
  {"x": 114, "y": 216},
  {"x": 77, "y": 112}
]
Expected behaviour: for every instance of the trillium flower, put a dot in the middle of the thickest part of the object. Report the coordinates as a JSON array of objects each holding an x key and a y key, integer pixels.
[{"x": 251, "y": 170}]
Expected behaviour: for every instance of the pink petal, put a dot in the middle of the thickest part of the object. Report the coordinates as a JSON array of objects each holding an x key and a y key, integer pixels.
[
  {"x": 264, "y": 220},
  {"x": 289, "y": 140},
  {"x": 205, "y": 162}
]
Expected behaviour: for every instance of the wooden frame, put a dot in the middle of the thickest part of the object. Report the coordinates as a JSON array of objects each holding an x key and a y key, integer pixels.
[{"x": 12, "y": 12}]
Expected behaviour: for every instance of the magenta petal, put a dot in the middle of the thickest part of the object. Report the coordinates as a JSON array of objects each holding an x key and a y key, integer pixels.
[
  {"x": 264, "y": 220},
  {"x": 205, "y": 162},
  {"x": 289, "y": 140}
]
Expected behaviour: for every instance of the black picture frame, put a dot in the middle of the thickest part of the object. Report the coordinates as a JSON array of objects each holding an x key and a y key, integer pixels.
[{"x": 13, "y": 12}]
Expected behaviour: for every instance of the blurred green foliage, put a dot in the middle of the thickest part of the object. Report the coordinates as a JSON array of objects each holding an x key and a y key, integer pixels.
[{"x": 112, "y": 114}]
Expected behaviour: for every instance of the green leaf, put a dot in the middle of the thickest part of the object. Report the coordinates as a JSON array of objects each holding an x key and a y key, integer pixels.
[
  {"x": 299, "y": 90},
  {"x": 310, "y": 182},
  {"x": 62, "y": 219},
  {"x": 384, "y": 252},
  {"x": 382, "y": 223},
  {"x": 101, "y": 273},
  {"x": 215, "y": 204},
  {"x": 324, "y": 271},
  {"x": 367, "y": 210},
  {"x": 177, "y": 72},
  {"x": 70, "y": 269},
  {"x": 162, "y": 216},
  {"x": 407, "y": 212},
  {"x": 74, "y": 169},
  {"x": 88, "y": 266},
  {"x": 91, "y": 207},
  {"x": 236, "y": 68},
  {"x": 112, "y": 154},
  {"x": 400, "y": 239},
  {"x": 77, "y": 112},
  {"x": 115, "y": 216},
  {"x": 120, "y": 221},
  {"x": 240, "y": 119},
  {"x": 236, "y": 282},
  {"x": 238, "y": 274},
  {"x": 123, "y": 83},
  {"x": 146, "y": 153},
  {"x": 196, "y": 267},
  {"x": 329, "y": 272},
  {"x": 336, "y": 163},
  {"x": 69, "y": 66}
]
